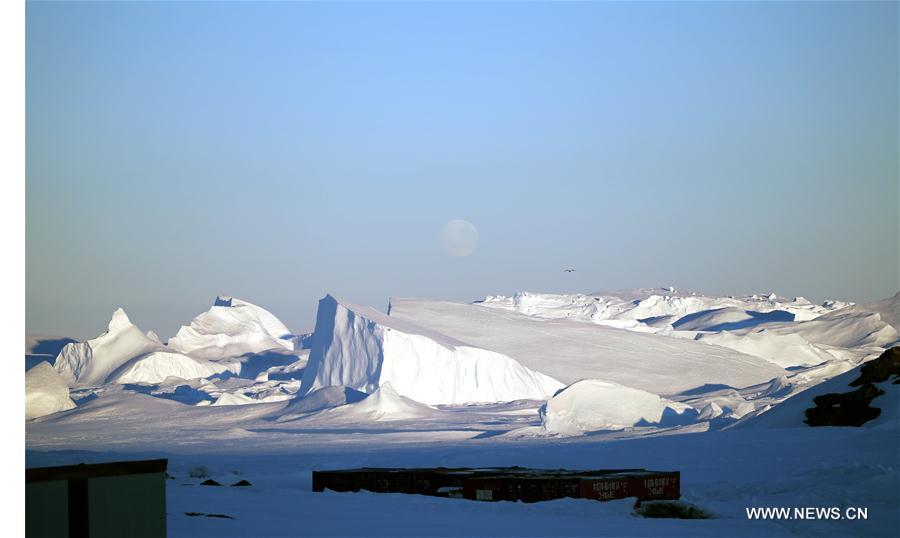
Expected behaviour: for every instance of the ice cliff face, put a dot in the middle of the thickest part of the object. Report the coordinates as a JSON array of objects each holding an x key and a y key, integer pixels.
[
  {"x": 361, "y": 348},
  {"x": 231, "y": 328}
]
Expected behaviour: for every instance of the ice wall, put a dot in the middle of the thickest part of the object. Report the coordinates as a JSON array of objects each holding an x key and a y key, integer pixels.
[{"x": 361, "y": 348}]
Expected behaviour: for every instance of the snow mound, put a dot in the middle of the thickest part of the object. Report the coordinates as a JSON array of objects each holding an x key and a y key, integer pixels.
[
  {"x": 231, "y": 328},
  {"x": 710, "y": 411},
  {"x": 728, "y": 403},
  {"x": 318, "y": 400},
  {"x": 45, "y": 392},
  {"x": 779, "y": 386},
  {"x": 363, "y": 349},
  {"x": 385, "y": 404},
  {"x": 157, "y": 366},
  {"x": 228, "y": 398},
  {"x": 592, "y": 404}
]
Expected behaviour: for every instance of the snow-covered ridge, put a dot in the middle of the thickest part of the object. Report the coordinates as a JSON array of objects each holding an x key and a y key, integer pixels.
[
  {"x": 786, "y": 332},
  {"x": 658, "y": 307},
  {"x": 230, "y": 328},
  {"x": 853, "y": 333},
  {"x": 361, "y": 348}
]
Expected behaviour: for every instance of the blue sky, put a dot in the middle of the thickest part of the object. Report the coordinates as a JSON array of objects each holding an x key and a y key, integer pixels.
[{"x": 279, "y": 151}]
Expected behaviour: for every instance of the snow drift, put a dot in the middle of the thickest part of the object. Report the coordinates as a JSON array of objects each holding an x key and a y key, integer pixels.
[
  {"x": 384, "y": 404},
  {"x": 592, "y": 404},
  {"x": 45, "y": 392},
  {"x": 231, "y": 328},
  {"x": 320, "y": 399},
  {"x": 361, "y": 348},
  {"x": 227, "y": 398}
]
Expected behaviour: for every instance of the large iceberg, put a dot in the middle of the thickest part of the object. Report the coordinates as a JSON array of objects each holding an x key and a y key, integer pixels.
[
  {"x": 571, "y": 350},
  {"x": 231, "y": 328},
  {"x": 92, "y": 362},
  {"x": 361, "y": 348},
  {"x": 124, "y": 354}
]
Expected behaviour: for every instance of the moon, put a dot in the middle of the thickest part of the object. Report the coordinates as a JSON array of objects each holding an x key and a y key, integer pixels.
[{"x": 459, "y": 238}]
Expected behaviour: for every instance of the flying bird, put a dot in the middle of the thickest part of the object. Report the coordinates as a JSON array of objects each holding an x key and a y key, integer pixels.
[{"x": 569, "y": 270}]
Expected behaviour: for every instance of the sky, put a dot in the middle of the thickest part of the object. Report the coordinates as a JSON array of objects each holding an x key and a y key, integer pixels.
[{"x": 277, "y": 152}]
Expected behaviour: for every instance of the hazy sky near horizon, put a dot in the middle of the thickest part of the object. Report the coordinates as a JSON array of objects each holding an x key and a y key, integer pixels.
[{"x": 280, "y": 151}]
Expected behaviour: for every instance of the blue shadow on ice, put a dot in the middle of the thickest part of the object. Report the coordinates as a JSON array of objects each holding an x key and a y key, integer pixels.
[
  {"x": 756, "y": 318},
  {"x": 253, "y": 364},
  {"x": 183, "y": 393},
  {"x": 671, "y": 418}
]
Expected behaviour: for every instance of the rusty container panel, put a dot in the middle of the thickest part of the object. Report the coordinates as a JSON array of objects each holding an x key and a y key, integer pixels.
[
  {"x": 646, "y": 486},
  {"x": 417, "y": 481},
  {"x": 661, "y": 486},
  {"x": 511, "y": 488},
  {"x": 506, "y": 483},
  {"x": 604, "y": 489}
]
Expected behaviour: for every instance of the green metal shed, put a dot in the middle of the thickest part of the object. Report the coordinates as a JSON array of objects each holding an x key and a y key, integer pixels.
[{"x": 126, "y": 498}]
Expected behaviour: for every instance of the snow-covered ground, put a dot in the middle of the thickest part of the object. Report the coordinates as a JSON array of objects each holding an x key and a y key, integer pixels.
[{"x": 714, "y": 387}]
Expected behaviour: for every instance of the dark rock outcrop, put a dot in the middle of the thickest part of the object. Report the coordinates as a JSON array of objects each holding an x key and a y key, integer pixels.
[{"x": 852, "y": 408}]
